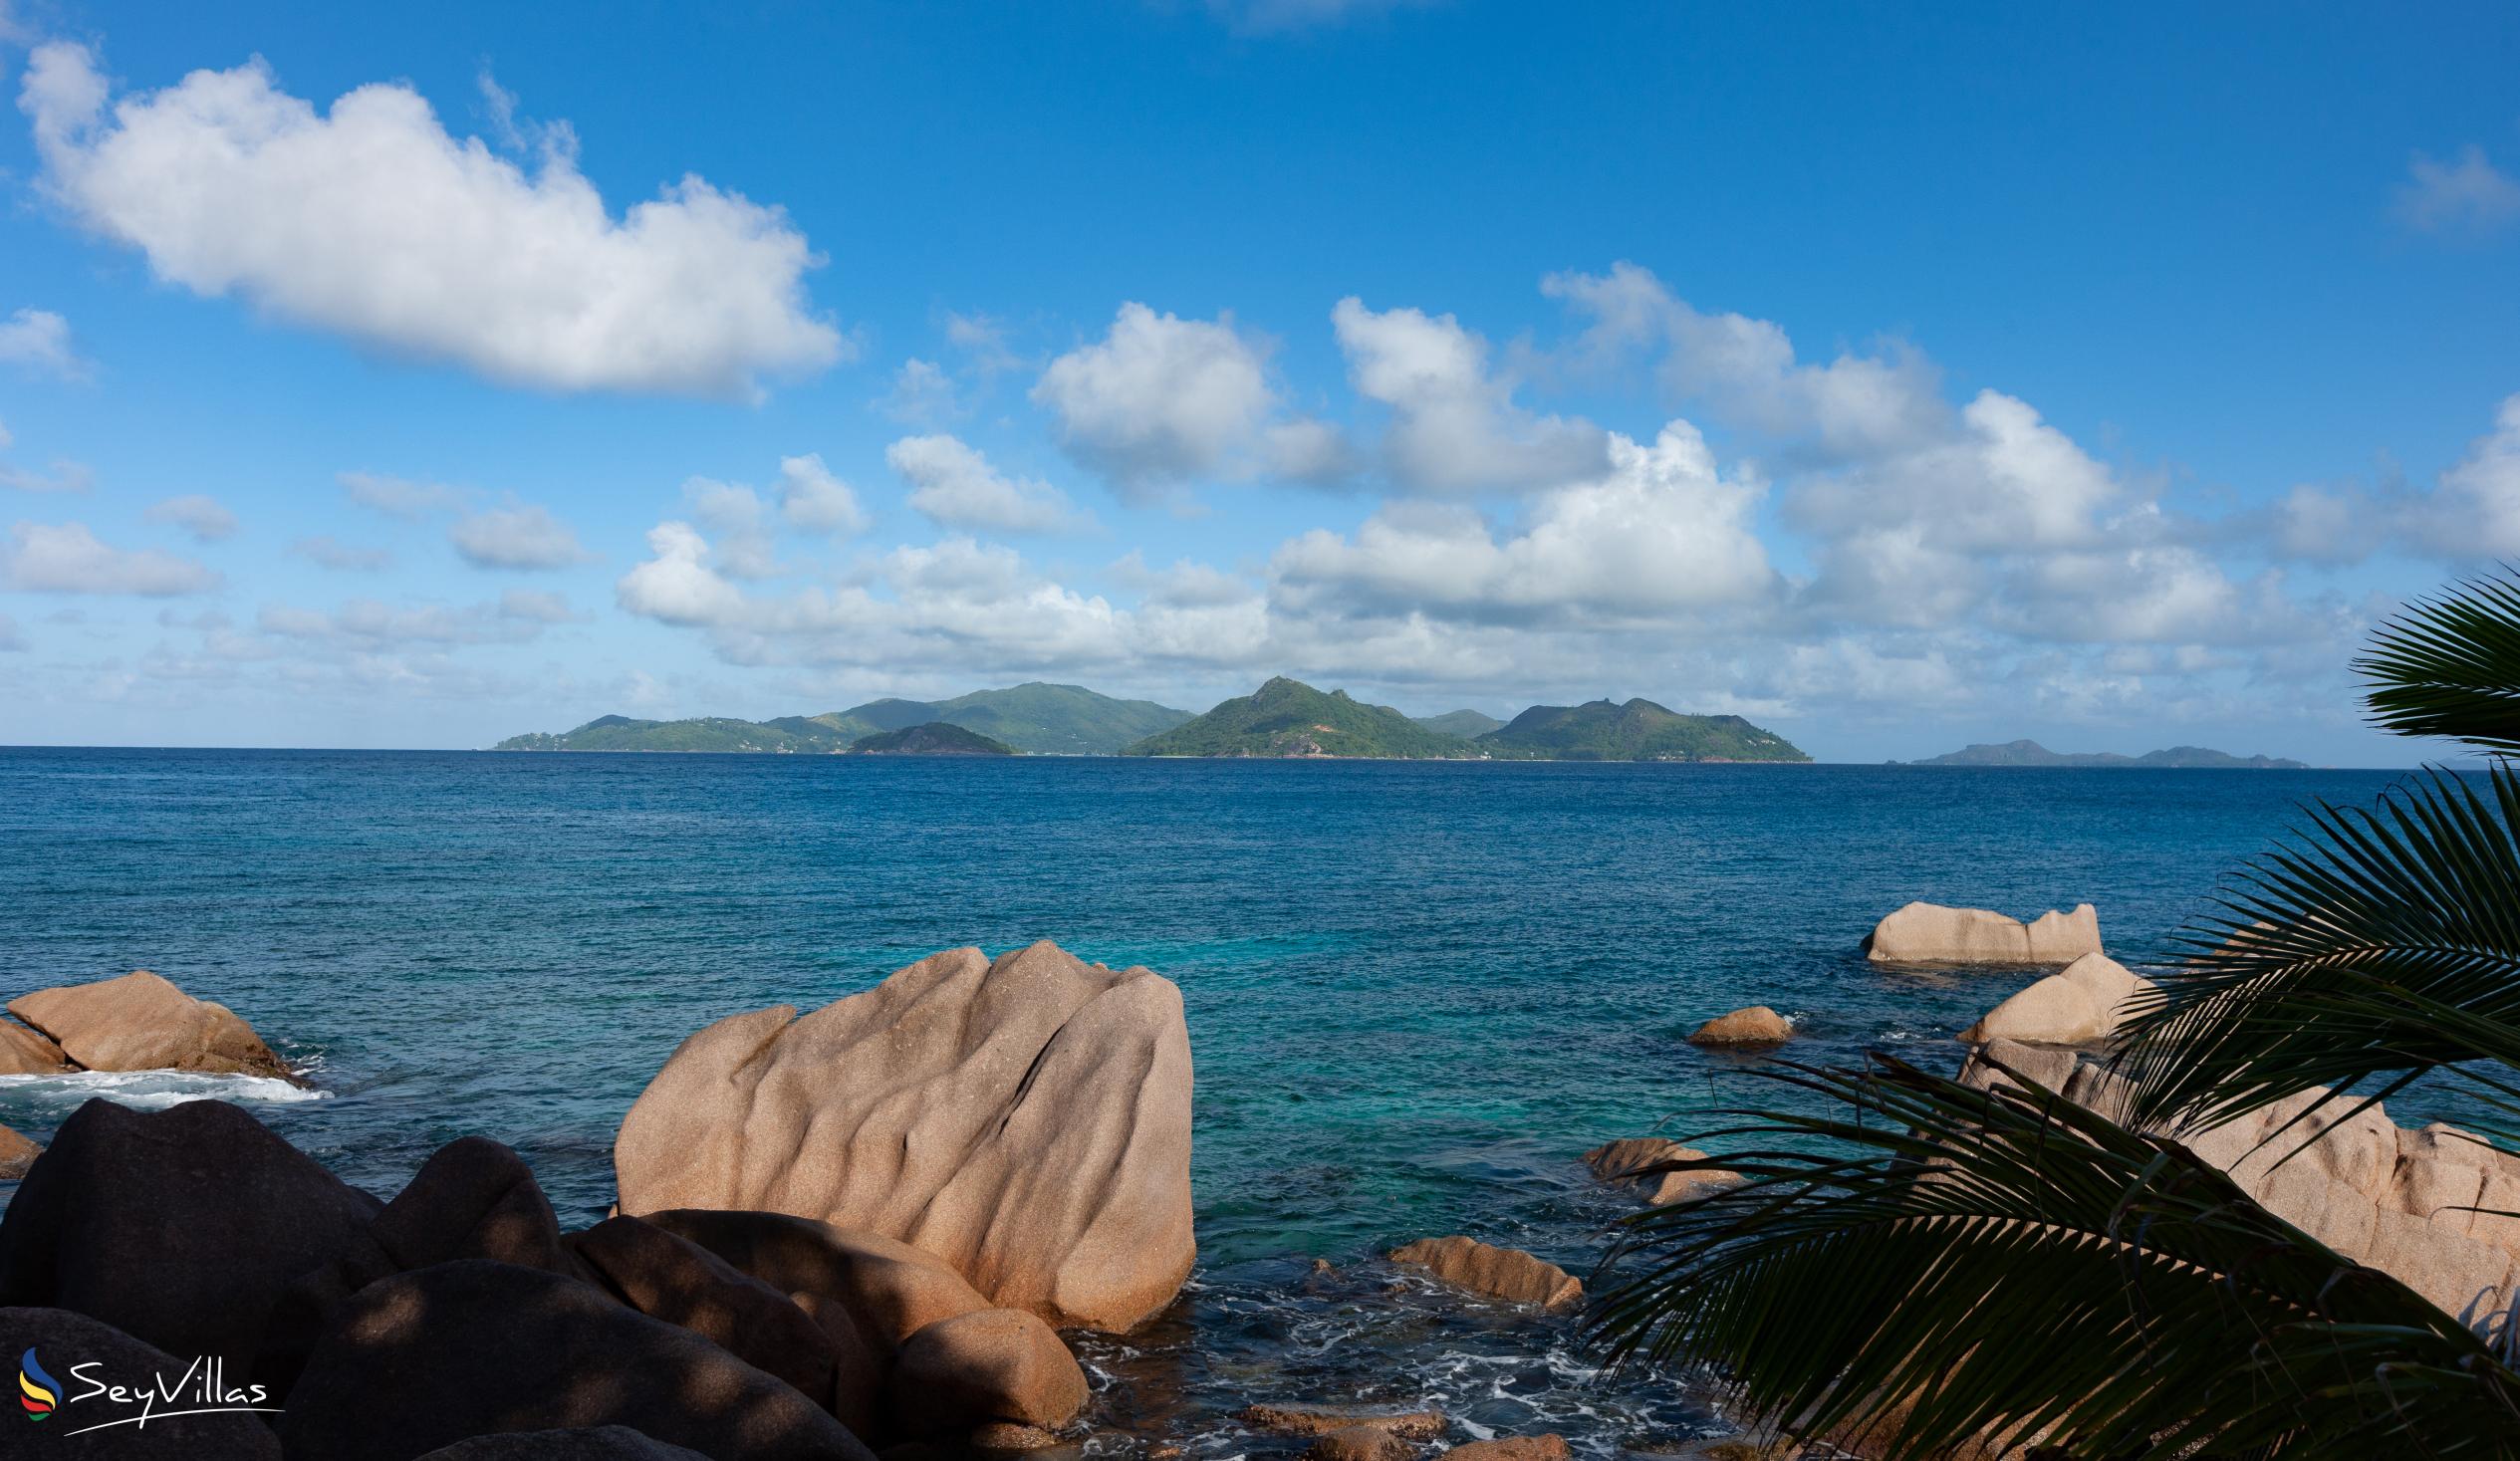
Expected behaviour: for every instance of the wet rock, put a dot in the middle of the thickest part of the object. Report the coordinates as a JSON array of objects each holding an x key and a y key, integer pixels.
[
  {"x": 889, "y": 1288},
  {"x": 1028, "y": 1120},
  {"x": 25, "y": 1053},
  {"x": 1757, "y": 1025},
  {"x": 1321, "y": 1420},
  {"x": 17, "y": 1153},
  {"x": 1508, "y": 1274},
  {"x": 1630, "y": 1163},
  {"x": 1004, "y": 1438},
  {"x": 1549, "y": 1447},
  {"x": 140, "y": 1022},
  {"x": 592, "y": 1443},
  {"x": 2083, "y": 1005},
  {"x": 1930, "y": 933},
  {"x": 179, "y": 1227},
  {"x": 423, "y": 1360},
  {"x": 56, "y": 1339},
  {"x": 1359, "y": 1443},
  {"x": 676, "y": 1279},
  {"x": 959, "y": 1373}
]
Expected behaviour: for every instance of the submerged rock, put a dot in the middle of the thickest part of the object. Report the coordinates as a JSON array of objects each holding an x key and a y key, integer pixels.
[
  {"x": 140, "y": 1022},
  {"x": 1549, "y": 1447},
  {"x": 1757, "y": 1025},
  {"x": 1508, "y": 1274},
  {"x": 1027, "y": 1120},
  {"x": 58, "y": 1338},
  {"x": 1630, "y": 1163},
  {"x": 423, "y": 1360},
  {"x": 1359, "y": 1443},
  {"x": 1930, "y": 933},
  {"x": 2083, "y": 1005},
  {"x": 1321, "y": 1420},
  {"x": 179, "y": 1227}
]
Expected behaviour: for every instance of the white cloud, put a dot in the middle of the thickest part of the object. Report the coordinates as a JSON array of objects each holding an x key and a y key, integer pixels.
[
  {"x": 371, "y": 220},
  {"x": 1659, "y": 531},
  {"x": 1273, "y": 17},
  {"x": 1161, "y": 398},
  {"x": 519, "y": 536},
  {"x": 2475, "y": 511},
  {"x": 370, "y": 624},
  {"x": 982, "y": 342},
  {"x": 1454, "y": 426},
  {"x": 954, "y": 486},
  {"x": 67, "y": 476},
  {"x": 398, "y": 497},
  {"x": 923, "y": 394},
  {"x": 677, "y": 585},
  {"x": 736, "y": 513},
  {"x": 814, "y": 501},
  {"x": 1852, "y": 407},
  {"x": 39, "y": 340},
  {"x": 326, "y": 551},
  {"x": 2468, "y": 194},
  {"x": 69, "y": 558},
  {"x": 197, "y": 514}
]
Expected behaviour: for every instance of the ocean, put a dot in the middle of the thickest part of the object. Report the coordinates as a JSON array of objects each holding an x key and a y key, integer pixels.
[{"x": 1417, "y": 992}]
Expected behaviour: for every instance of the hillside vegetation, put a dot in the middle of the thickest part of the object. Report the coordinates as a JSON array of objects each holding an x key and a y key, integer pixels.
[
  {"x": 1290, "y": 718},
  {"x": 935, "y": 738},
  {"x": 1639, "y": 730},
  {"x": 1469, "y": 725},
  {"x": 1042, "y": 719}
]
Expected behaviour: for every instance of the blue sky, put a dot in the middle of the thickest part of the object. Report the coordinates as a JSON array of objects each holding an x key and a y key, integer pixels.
[{"x": 1898, "y": 379}]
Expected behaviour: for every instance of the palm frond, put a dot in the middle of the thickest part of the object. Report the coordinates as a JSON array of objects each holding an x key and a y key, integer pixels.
[
  {"x": 2379, "y": 945},
  {"x": 1933, "y": 1265},
  {"x": 2450, "y": 666}
]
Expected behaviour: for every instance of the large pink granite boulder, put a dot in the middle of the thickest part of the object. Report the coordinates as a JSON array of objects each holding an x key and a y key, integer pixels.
[
  {"x": 1930, "y": 933},
  {"x": 140, "y": 1022},
  {"x": 1027, "y": 1120}
]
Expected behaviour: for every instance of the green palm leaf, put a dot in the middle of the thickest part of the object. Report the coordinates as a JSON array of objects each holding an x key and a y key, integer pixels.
[
  {"x": 1941, "y": 1263},
  {"x": 2450, "y": 666},
  {"x": 2379, "y": 944}
]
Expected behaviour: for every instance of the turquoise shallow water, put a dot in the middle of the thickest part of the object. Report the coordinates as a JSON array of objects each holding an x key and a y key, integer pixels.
[{"x": 1417, "y": 992}]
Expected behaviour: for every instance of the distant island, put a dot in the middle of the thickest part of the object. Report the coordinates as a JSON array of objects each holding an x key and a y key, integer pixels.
[
  {"x": 1035, "y": 719},
  {"x": 1283, "y": 718},
  {"x": 2181, "y": 758},
  {"x": 1287, "y": 717},
  {"x": 935, "y": 738}
]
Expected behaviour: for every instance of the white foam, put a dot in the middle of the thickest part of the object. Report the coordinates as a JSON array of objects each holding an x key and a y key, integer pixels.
[{"x": 150, "y": 1090}]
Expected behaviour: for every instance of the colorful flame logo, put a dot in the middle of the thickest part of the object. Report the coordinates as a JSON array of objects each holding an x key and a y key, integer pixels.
[{"x": 37, "y": 1391}]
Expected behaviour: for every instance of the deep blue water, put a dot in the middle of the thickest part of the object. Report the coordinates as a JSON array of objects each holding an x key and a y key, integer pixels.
[{"x": 1417, "y": 992}]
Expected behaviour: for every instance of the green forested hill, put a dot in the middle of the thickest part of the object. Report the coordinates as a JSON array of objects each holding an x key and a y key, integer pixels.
[
  {"x": 1290, "y": 718},
  {"x": 711, "y": 733},
  {"x": 1058, "y": 719},
  {"x": 1037, "y": 718},
  {"x": 2031, "y": 753},
  {"x": 934, "y": 738},
  {"x": 1469, "y": 725},
  {"x": 1603, "y": 730}
]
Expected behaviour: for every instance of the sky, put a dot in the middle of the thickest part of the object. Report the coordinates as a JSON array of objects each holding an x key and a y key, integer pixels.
[{"x": 1898, "y": 378}]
